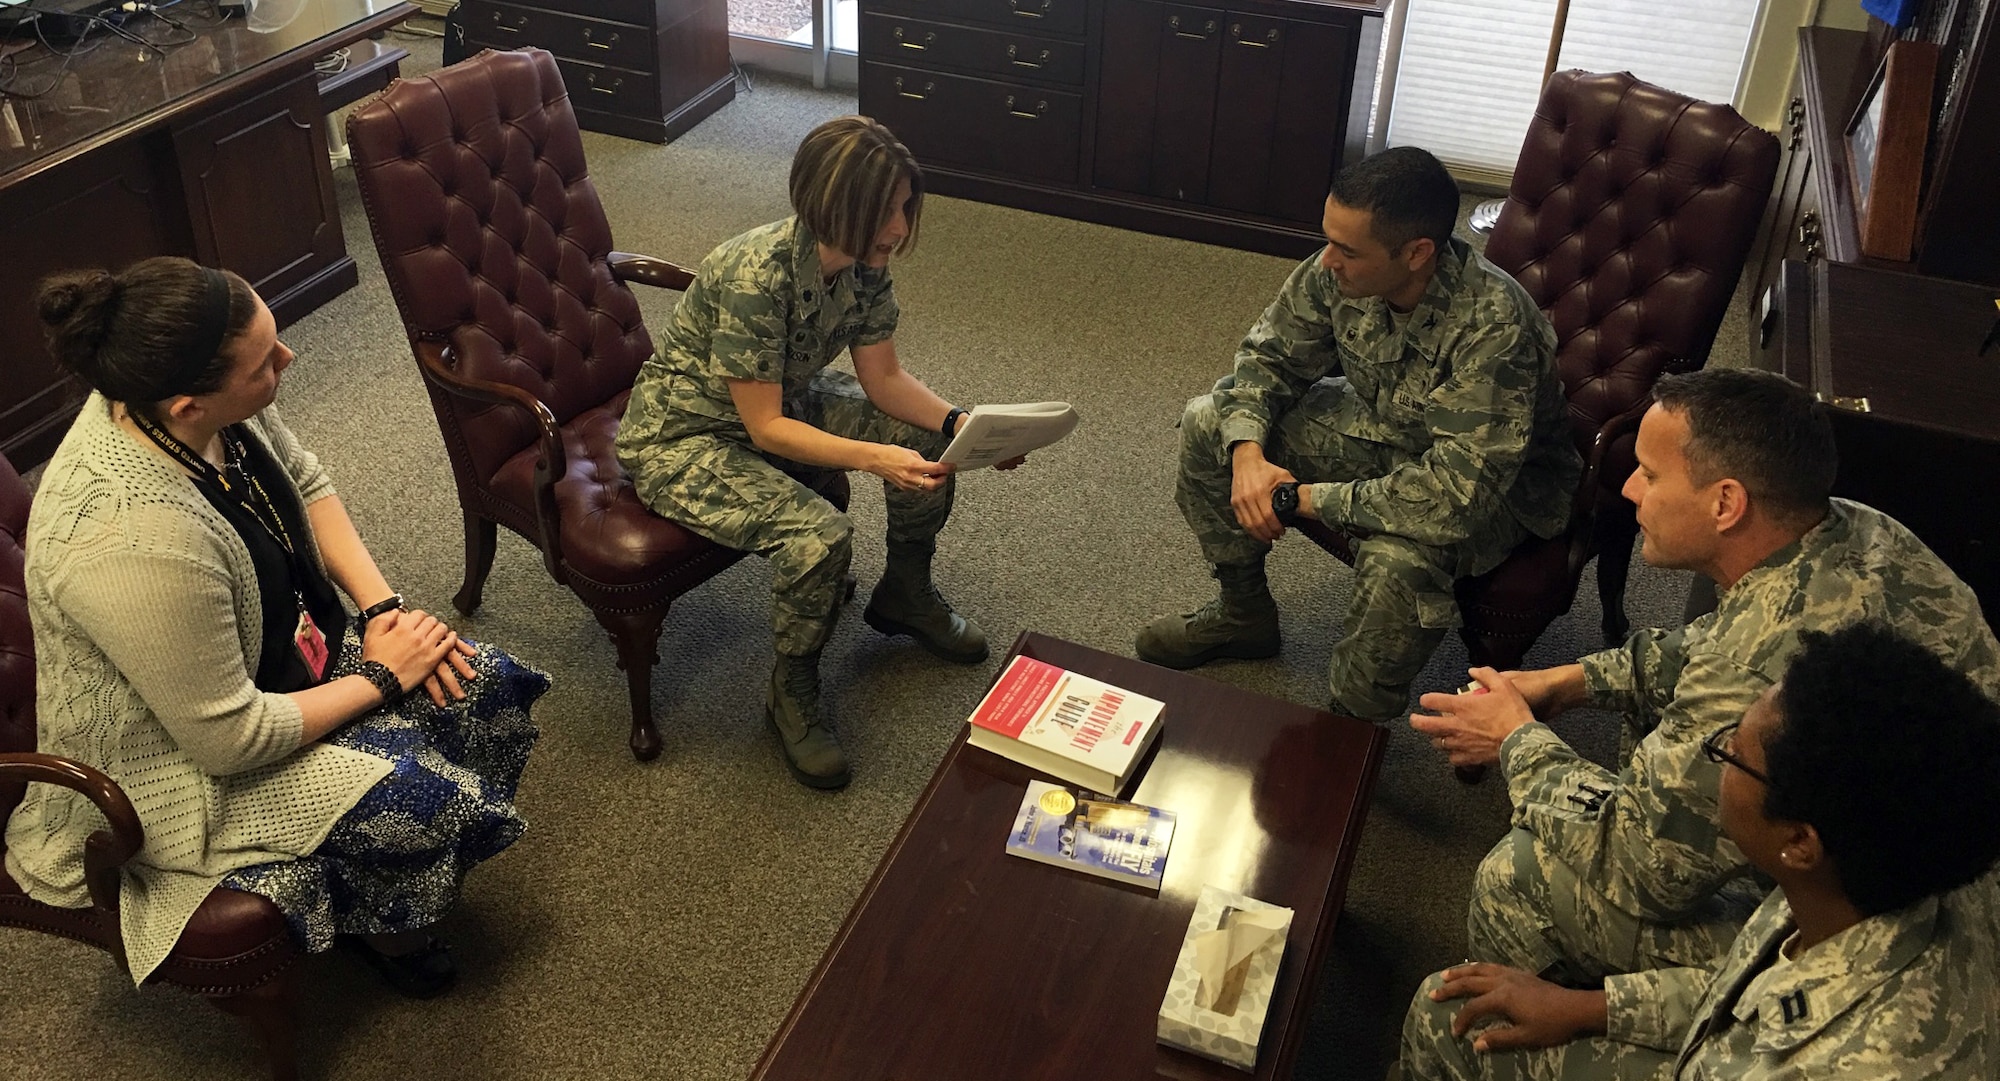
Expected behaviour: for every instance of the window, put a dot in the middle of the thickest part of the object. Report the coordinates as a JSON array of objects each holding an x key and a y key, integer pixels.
[{"x": 1470, "y": 71}]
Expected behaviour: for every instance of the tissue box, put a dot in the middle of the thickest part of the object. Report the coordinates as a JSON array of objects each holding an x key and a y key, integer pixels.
[{"x": 1230, "y": 1038}]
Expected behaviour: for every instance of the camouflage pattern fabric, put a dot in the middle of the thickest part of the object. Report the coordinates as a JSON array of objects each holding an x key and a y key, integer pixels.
[
  {"x": 1642, "y": 846},
  {"x": 1432, "y": 1053},
  {"x": 1439, "y": 440},
  {"x": 760, "y": 309},
  {"x": 1904, "y": 994}
]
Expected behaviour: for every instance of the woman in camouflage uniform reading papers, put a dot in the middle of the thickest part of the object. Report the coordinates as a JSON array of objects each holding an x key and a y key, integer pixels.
[{"x": 739, "y": 403}]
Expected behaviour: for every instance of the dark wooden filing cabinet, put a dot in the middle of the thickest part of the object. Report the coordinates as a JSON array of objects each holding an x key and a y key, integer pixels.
[
  {"x": 643, "y": 69},
  {"x": 1915, "y": 403},
  {"x": 1219, "y": 123}
]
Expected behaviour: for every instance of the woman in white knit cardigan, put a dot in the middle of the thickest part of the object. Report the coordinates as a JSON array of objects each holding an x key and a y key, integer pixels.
[{"x": 182, "y": 556}]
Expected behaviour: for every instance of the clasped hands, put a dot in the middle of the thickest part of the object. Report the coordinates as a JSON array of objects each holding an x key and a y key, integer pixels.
[
  {"x": 1470, "y": 726},
  {"x": 420, "y": 649}
]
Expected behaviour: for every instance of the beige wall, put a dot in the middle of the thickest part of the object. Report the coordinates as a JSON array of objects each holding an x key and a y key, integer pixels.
[{"x": 1774, "y": 49}]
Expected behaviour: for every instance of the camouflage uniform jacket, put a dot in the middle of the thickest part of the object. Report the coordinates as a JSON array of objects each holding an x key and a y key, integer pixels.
[
  {"x": 1905, "y": 994},
  {"x": 759, "y": 309},
  {"x": 1466, "y": 389},
  {"x": 1647, "y": 838}
]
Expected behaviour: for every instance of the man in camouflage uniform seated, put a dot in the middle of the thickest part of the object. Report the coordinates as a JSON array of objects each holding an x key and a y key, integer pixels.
[
  {"x": 739, "y": 401},
  {"x": 1608, "y": 875},
  {"x": 1863, "y": 785},
  {"x": 1441, "y": 445}
]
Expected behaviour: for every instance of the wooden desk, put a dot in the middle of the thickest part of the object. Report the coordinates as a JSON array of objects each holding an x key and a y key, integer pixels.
[
  {"x": 962, "y": 962},
  {"x": 213, "y": 150}
]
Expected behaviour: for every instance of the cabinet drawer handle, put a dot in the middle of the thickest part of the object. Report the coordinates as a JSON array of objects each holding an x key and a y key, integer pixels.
[
  {"x": 929, "y": 40},
  {"x": 500, "y": 23},
  {"x": 1041, "y": 61},
  {"x": 1035, "y": 114},
  {"x": 902, "y": 93},
  {"x": 594, "y": 43},
  {"x": 616, "y": 82},
  {"x": 1270, "y": 37},
  {"x": 1028, "y": 10},
  {"x": 1810, "y": 236},
  {"x": 1174, "y": 24}
]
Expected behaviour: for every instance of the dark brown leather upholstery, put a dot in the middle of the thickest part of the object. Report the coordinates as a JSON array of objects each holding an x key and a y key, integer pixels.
[
  {"x": 236, "y": 950},
  {"x": 1631, "y": 212},
  {"x": 500, "y": 259}
]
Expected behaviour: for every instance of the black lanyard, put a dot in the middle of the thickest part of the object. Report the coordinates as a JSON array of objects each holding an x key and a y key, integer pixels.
[{"x": 248, "y": 492}]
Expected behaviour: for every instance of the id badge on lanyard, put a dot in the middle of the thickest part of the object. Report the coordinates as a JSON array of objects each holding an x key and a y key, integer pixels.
[{"x": 310, "y": 643}]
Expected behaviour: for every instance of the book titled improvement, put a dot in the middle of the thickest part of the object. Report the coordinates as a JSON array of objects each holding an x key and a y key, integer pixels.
[
  {"x": 1127, "y": 842},
  {"x": 995, "y": 433},
  {"x": 1067, "y": 725}
]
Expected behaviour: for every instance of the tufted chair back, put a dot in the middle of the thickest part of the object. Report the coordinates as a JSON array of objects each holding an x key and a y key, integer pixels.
[
  {"x": 17, "y": 646},
  {"x": 499, "y": 247},
  {"x": 1630, "y": 215}
]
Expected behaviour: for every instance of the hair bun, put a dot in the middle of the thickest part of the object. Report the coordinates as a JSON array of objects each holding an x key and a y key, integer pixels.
[{"x": 83, "y": 297}]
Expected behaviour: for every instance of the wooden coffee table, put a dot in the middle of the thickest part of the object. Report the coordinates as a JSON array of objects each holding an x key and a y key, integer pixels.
[{"x": 962, "y": 963}]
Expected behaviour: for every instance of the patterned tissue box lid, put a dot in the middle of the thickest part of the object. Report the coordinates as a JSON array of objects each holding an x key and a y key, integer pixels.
[{"x": 1228, "y": 1038}]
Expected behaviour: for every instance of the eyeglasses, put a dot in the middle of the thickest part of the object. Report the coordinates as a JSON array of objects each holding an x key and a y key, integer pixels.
[{"x": 1717, "y": 748}]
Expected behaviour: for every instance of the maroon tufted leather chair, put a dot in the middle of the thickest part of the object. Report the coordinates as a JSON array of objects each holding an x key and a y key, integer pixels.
[
  {"x": 1630, "y": 215},
  {"x": 500, "y": 259},
  {"x": 236, "y": 950}
]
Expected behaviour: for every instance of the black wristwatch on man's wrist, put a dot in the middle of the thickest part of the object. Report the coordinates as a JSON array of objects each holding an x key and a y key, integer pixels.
[
  {"x": 950, "y": 425},
  {"x": 1285, "y": 502}
]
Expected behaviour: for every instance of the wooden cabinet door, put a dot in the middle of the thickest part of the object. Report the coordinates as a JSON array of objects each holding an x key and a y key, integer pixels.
[
  {"x": 1156, "y": 98},
  {"x": 1280, "y": 110}
]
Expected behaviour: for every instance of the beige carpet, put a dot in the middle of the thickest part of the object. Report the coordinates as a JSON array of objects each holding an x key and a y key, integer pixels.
[{"x": 657, "y": 921}]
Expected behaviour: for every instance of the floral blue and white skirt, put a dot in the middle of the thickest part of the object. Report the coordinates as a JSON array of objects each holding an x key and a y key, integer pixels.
[{"x": 396, "y": 859}]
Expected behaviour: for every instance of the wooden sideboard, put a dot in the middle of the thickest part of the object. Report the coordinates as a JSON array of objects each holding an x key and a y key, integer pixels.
[
  {"x": 214, "y": 150},
  {"x": 643, "y": 69},
  {"x": 1221, "y": 123}
]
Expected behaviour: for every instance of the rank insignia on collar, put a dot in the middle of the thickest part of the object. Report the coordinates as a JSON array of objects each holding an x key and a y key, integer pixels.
[
  {"x": 1432, "y": 322},
  {"x": 1794, "y": 1006}
]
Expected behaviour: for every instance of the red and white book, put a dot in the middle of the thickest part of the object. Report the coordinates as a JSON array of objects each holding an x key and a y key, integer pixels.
[{"x": 1070, "y": 726}]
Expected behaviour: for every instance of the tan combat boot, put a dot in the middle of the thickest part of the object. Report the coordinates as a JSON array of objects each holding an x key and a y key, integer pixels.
[
  {"x": 792, "y": 711},
  {"x": 1241, "y": 623},
  {"x": 906, "y": 602}
]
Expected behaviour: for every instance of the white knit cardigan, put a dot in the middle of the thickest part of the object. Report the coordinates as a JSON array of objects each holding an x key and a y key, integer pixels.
[{"x": 148, "y": 629}]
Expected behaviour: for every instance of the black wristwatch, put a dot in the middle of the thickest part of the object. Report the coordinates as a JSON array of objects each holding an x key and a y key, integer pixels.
[
  {"x": 1285, "y": 502},
  {"x": 384, "y": 680},
  {"x": 951, "y": 419},
  {"x": 393, "y": 602}
]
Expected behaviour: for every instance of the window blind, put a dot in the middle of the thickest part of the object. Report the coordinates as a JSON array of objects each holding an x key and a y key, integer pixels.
[{"x": 1470, "y": 71}]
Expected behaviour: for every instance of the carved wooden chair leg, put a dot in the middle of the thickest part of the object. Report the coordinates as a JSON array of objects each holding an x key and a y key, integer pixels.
[
  {"x": 637, "y": 636},
  {"x": 481, "y": 536},
  {"x": 271, "y": 1009},
  {"x": 1615, "y": 530}
]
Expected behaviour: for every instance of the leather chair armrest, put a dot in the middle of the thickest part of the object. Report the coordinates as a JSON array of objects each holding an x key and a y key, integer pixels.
[
  {"x": 646, "y": 270},
  {"x": 105, "y": 851},
  {"x": 552, "y": 461}
]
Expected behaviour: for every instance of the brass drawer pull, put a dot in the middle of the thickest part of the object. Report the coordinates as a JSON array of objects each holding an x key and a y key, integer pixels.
[
  {"x": 616, "y": 82},
  {"x": 929, "y": 40},
  {"x": 1838, "y": 401},
  {"x": 1035, "y": 114},
  {"x": 1041, "y": 60},
  {"x": 1027, "y": 9},
  {"x": 594, "y": 43},
  {"x": 902, "y": 93},
  {"x": 1810, "y": 235},
  {"x": 1174, "y": 24},
  {"x": 500, "y": 23}
]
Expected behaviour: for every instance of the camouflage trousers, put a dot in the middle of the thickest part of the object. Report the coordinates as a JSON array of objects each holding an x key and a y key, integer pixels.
[
  {"x": 1402, "y": 603},
  {"x": 1530, "y": 910},
  {"x": 1432, "y": 1053},
  {"x": 726, "y": 490}
]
